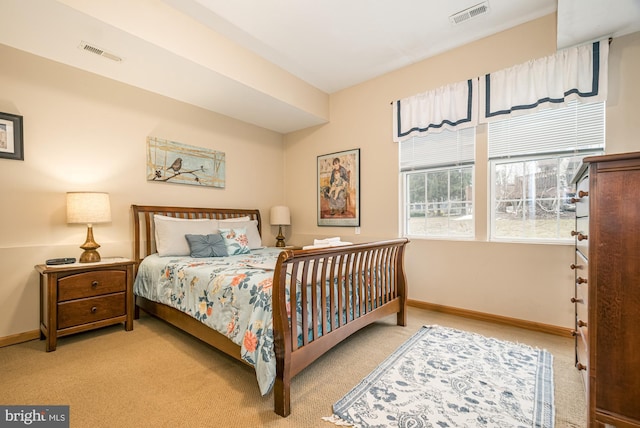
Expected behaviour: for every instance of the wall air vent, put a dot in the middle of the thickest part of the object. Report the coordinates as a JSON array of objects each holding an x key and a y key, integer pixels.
[
  {"x": 467, "y": 14},
  {"x": 98, "y": 51}
]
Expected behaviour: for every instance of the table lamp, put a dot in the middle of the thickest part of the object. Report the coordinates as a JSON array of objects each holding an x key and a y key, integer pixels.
[
  {"x": 88, "y": 208},
  {"x": 280, "y": 216}
]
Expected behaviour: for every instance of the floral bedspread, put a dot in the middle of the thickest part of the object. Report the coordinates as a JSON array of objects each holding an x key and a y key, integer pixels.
[{"x": 229, "y": 294}]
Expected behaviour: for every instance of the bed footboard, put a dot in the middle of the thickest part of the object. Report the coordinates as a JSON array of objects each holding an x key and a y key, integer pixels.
[{"x": 340, "y": 290}]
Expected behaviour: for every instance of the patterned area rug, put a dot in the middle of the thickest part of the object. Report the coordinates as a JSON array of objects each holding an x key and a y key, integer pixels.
[{"x": 442, "y": 377}]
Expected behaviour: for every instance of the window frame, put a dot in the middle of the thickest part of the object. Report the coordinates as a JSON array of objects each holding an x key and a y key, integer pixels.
[
  {"x": 432, "y": 152},
  {"x": 560, "y": 240},
  {"x": 405, "y": 210},
  {"x": 576, "y": 130}
]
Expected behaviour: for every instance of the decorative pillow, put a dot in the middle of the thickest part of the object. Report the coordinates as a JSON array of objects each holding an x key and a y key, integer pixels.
[
  {"x": 235, "y": 239},
  {"x": 255, "y": 240},
  {"x": 170, "y": 232},
  {"x": 207, "y": 245}
]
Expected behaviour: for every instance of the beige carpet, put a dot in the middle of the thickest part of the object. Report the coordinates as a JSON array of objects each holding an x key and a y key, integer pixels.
[{"x": 157, "y": 376}]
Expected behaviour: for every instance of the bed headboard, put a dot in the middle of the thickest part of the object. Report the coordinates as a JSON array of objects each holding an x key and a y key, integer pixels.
[{"x": 143, "y": 227}]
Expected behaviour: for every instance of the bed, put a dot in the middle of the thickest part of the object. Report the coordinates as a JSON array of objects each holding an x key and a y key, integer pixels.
[{"x": 338, "y": 290}]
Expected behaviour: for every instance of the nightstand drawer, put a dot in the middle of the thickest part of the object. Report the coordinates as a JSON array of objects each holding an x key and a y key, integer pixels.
[
  {"x": 84, "y": 311},
  {"x": 89, "y": 284}
]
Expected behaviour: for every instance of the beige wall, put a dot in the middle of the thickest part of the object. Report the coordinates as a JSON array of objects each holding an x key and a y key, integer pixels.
[
  {"x": 525, "y": 281},
  {"x": 84, "y": 132},
  {"x": 623, "y": 113}
]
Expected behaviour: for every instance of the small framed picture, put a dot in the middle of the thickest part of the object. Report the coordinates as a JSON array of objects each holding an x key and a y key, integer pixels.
[
  {"x": 11, "y": 136},
  {"x": 339, "y": 189}
]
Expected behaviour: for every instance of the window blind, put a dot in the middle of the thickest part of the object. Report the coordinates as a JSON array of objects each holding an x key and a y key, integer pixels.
[
  {"x": 575, "y": 128},
  {"x": 445, "y": 148}
]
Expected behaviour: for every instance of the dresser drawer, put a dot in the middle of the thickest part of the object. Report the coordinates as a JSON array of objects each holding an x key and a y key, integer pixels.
[
  {"x": 582, "y": 340},
  {"x": 582, "y": 277},
  {"x": 582, "y": 356},
  {"x": 581, "y": 299},
  {"x": 89, "y": 284},
  {"x": 582, "y": 236},
  {"x": 84, "y": 311},
  {"x": 582, "y": 197},
  {"x": 582, "y": 307}
]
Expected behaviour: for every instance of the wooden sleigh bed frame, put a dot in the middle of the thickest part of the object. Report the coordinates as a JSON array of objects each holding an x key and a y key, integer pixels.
[{"x": 376, "y": 269}]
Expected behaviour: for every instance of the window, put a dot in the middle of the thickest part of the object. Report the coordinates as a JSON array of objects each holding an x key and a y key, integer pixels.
[
  {"x": 532, "y": 161},
  {"x": 437, "y": 177}
]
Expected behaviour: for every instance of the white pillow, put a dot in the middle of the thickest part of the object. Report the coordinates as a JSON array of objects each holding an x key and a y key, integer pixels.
[
  {"x": 170, "y": 233},
  {"x": 255, "y": 240},
  {"x": 234, "y": 219}
]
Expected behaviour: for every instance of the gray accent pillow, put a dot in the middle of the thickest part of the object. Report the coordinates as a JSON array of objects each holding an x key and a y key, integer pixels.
[{"x": 207, "y": 245}]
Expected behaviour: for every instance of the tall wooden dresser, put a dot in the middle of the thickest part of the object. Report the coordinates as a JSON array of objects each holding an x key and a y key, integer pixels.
[{"x": 607, "y": 291}]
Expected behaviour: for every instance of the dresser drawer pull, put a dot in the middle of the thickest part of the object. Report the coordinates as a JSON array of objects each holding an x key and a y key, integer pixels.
[
  {"x": 575, "y": 266},
  {"x": 94, "y": 284},
  {"x": 581, "y": 194},
  {"x": 581, "y": 366},
  {"x": 581, "y": 280},
  {"x": 574, "y": 333},
  {"x": 581, "y": 323},
  {"x": 94, "y": 310},
  {"x": 574, "y": 300},
  {"x": 580, "y": 235}
]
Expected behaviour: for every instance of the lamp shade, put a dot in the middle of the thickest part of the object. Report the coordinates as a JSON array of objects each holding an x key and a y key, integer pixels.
[
  {"x": 88, "y": 207},
  {"x": 280, "y": 216}
]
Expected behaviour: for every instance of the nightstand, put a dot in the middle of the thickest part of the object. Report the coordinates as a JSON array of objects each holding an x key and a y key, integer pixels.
[{"x": 84, "y": 296}]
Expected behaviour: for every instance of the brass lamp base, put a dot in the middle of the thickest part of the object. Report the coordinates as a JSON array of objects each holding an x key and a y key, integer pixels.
[
  {"x": 90, "y": 255},
  {"x": 280, "y": 238}
]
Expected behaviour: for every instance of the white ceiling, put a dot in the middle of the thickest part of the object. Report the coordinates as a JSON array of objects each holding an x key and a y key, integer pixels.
[
  {"x": 327, "y": 45},
  {"x": 334, "y": 44}
]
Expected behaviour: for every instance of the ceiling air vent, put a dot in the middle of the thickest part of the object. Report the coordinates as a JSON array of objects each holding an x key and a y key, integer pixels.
[
  {"x": 467, "y": 14},
  {"x": 98, "y": 51}
]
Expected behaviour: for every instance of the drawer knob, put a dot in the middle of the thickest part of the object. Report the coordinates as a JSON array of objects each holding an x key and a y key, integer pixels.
[
  {"x": 581, "y": 366},
  {"x": 581, "y": 280},
  {"x": 574, "y": 333},
  {"x": 582, "y": 193},
  {"x": 574, "y": 300},
  {"x": 580, "y": 235},
  {"x": 94, "y": 284},
  {"x": 94, "y": 310},
  {"x": 575, "y": 266},
  {"x": 581, "y": 323}
]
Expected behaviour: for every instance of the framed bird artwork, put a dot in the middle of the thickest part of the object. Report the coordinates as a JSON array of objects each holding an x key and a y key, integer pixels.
[{"x": 173, "y": 162}]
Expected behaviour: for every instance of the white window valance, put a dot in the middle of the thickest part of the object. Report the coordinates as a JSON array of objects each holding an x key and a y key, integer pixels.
[
  {"x": 577, "y": 73},
  {"x": 452, "y": 107}
]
